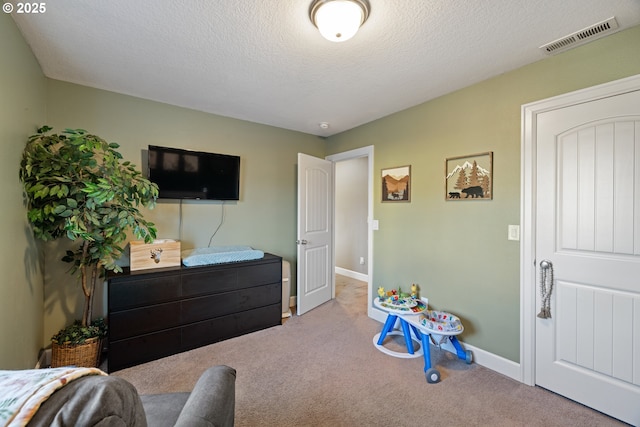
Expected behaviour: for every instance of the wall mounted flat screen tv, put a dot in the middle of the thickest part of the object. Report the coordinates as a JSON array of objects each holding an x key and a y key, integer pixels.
[{"x": 185, "y": 174}]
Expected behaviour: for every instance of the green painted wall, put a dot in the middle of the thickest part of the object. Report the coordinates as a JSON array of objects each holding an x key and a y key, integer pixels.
[
  {"x": 265, "y": 216},
  {"x": 22, "y": 109},
  {"x": 458, "y": 252}
]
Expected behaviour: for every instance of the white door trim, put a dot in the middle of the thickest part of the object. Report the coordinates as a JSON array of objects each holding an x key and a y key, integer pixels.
[
  {"x": 354, "y": 154},
  {"x": 528, "y": 206}
]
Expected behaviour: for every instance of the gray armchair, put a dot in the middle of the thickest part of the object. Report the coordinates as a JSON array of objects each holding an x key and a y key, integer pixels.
[
  {"x": 210, "y": 403},
  {"x": 106, "y": 401}
]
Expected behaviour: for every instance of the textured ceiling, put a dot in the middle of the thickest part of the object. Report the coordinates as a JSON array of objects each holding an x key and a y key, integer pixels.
[{"x": 264, "y": 61}]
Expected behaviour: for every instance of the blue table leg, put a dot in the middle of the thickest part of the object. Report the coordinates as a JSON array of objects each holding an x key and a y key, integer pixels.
[
  {"x": 407, "y": 335},
  {"x": 426, "y": 351},
  {"x": 459, "y": 350},
  {"x": 388, "y": 325},
  {"x": 415, "y": 331}
]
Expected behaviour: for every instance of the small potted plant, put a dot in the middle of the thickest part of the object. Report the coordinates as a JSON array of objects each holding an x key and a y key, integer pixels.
[
  {"x": 78, "y": 345},
  {"x": 77, "y": 186}
]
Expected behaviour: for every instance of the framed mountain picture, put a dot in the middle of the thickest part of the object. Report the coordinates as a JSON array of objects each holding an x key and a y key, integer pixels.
[
  {"x": 469, "y": 177},
  {"x": 396, "y": 184}
]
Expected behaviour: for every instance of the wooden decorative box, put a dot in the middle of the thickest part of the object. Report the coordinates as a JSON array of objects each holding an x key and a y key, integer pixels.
[{"x": 159, "y": 254}]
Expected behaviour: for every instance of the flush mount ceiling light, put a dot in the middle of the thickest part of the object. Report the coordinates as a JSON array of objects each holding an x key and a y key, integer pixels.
[{"x": 338, "y": 20}]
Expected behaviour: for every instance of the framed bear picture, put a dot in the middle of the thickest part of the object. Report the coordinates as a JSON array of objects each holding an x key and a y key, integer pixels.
[{"x": 469, "y": 177}]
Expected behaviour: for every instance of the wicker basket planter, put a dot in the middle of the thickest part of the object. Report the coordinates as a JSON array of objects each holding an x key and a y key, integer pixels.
[{"x": 83, "y": 355}]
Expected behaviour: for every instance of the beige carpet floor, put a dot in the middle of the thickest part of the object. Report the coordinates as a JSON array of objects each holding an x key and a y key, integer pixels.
[{"x": 322, "y": 369}]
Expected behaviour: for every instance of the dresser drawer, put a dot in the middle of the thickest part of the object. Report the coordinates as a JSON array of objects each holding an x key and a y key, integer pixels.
[
  {"x": 232, "y": 325},
  {"x": 138, "y": 321},
  {"x": 229, "y": 278},
  {"x": 127, "y": 293},
  {"x": 144, "y": 348},
  {"x": 257, "y": 275},
  {"x": 195, "y": 283},
  {"x": 207, "y": 307}
]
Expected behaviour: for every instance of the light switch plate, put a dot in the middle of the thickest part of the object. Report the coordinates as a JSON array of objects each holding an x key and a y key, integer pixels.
[
  {"x": 514, "y": 232},
  {"x": 375, "y": 225}
]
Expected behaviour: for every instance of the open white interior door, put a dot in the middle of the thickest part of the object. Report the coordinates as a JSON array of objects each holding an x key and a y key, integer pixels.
[{"x": 315, "y": 232}]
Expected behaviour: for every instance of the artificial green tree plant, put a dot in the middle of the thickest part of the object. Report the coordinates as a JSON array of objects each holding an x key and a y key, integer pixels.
[{"x": 77, "y": 186}]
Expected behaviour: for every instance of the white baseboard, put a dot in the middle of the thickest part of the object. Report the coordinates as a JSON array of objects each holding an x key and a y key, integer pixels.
[
  {"x": 494, "y": 362},
  {"x": 352, "y": 274},
  {"x": 491, "y": 361}
]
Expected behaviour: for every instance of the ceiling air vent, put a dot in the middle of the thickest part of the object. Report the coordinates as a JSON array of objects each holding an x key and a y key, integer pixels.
[{"x": 581, "y": 37}]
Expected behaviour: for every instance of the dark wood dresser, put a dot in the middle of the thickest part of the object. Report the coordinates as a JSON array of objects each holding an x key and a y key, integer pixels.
[{"x": 157, "y": 313}]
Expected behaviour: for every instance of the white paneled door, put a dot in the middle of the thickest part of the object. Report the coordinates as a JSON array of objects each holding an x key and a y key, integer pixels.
[
  {"x": 315, "y": 232},
  {"x": 588, "y": 229}
]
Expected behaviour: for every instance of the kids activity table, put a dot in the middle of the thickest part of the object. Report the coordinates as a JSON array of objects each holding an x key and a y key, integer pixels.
[{"x": 427, "y": 326}]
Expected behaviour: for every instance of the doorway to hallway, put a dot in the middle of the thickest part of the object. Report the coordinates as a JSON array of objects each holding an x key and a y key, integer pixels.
[{"x": 353, "y": 216}]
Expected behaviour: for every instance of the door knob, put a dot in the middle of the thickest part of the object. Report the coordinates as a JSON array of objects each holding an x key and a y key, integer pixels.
[{"x": 301, "y": 242}]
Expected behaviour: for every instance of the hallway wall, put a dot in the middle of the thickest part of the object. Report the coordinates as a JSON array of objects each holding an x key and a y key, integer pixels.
[{"x": 351, "y": 214}]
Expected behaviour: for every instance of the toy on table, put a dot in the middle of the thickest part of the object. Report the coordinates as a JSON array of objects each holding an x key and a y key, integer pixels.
[{"x": 401, "y": 302}]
